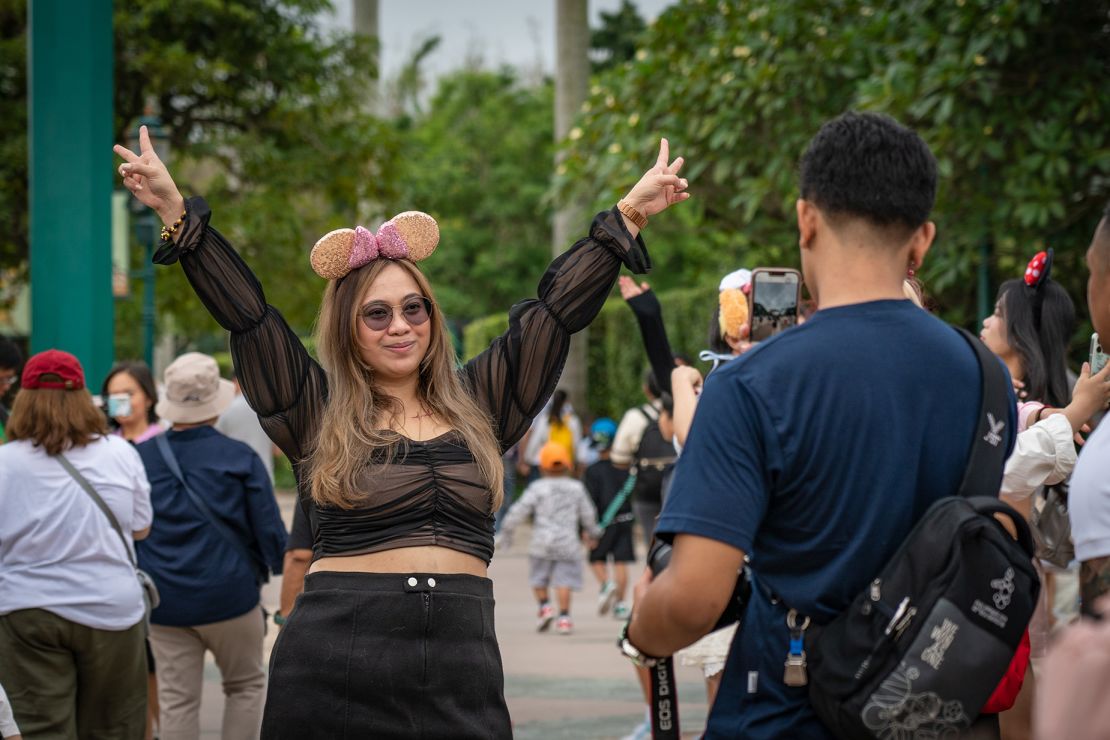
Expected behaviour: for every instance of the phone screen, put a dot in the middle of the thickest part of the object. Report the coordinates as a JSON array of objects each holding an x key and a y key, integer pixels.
[{"x": 774, "y": 302}]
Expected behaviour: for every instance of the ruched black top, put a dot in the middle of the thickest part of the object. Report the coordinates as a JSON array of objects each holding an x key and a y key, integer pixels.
[{"x": 431, "y": 493}]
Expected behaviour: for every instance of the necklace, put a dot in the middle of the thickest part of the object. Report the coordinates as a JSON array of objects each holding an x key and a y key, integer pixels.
[{"x": 419, "y": 418}]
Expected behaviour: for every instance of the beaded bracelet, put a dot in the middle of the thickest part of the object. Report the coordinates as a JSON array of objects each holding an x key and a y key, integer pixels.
[
  {"x": 632, "y": 214},
  {"x": 168, "y": 231}
]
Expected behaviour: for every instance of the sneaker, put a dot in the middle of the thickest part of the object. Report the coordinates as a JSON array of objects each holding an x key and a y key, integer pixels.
[
  {"x": 622, "y": 611},
  {"x": 564, "y": 626},
  {"x": 642, "y": 731},
  {"x": 606, "y": 598},
  {"x": 547, "y": 613}
]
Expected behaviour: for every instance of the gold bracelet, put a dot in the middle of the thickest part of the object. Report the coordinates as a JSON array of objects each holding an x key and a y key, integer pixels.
[
  {"x": 168, "y": 231},
  {"x": 631, "y": 213}
]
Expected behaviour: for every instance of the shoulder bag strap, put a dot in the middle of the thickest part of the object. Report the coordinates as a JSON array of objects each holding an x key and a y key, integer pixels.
[
  {"x": 617, "y": 502},
  {"x": 260, "y": 570},
  {"x": 100, "y": 504},
  {"x": 988, "y": 448}
]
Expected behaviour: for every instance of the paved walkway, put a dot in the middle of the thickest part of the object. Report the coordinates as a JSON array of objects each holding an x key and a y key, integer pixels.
[{"x": 557, "y": 686}]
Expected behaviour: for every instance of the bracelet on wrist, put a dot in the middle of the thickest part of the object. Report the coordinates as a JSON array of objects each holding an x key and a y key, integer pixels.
[
  {"x": 169, "y": 231},
  {"x": 633, "y": 653},
  {"x": 632, "y": 213},
  {"x": 279, "y": 618}
]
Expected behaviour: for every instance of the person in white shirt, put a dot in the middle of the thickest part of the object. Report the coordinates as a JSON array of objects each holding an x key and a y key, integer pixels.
[
  {"x": 9, "y": 730},
  {"x": 72, "y": 613},
  {"x": 1089, "y": 497}
]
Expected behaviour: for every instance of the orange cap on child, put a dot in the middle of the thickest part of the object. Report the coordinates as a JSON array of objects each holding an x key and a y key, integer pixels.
[{"x": 553, "y": 456}]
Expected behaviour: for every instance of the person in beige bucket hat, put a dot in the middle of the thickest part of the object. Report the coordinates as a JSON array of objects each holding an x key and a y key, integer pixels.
[{"x": 195, "y": 392}]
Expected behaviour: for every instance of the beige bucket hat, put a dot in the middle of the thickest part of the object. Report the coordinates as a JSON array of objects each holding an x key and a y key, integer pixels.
[{"x": 194, "y": 390}]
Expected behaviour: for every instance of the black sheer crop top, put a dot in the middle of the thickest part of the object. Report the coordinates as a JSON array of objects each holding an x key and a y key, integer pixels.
[{"x": 431, "y": 493}]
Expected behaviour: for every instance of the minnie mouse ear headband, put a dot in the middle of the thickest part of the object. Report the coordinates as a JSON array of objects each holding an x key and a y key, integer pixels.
[
  {"x": 411, "y": 235},
  {"x": 1039, "y": 269},
  {"x": 1037, "y": 275},
  {"x": 733, "y": 302}
]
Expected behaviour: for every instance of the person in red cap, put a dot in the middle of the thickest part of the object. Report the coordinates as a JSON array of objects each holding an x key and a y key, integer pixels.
[
  {"x": 559, "y": 506},
  {"x": 72, "y": 617}
]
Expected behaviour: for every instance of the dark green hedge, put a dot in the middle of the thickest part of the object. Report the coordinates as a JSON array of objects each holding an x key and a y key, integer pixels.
[{"x": 616, "y": 353}]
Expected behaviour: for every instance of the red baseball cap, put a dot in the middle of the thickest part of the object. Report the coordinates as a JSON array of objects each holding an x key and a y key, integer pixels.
[{"x": 37, "y": 372}]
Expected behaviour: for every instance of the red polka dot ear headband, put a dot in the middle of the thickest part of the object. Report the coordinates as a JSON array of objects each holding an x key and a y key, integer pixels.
[
  {"x": 1036, "y": 277},
  {"x": 411, "y": 235},
  {"x": 1040, "y": 267}
]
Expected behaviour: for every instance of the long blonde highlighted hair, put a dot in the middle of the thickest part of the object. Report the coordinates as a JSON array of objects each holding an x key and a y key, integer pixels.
[{"x": 356, "y": 410}]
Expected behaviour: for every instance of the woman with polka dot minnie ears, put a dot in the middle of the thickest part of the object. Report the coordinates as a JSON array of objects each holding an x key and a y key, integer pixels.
[{"x": 1032, "y": 324}]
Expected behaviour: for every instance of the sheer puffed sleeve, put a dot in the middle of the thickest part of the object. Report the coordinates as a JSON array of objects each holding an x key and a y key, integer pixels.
[
  {"x": 282, "y": 382},
  {"x": 514, "y": 377}
]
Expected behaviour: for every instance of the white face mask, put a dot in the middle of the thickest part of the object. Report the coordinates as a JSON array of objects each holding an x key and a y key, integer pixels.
[{"x": 119, "y": 405}]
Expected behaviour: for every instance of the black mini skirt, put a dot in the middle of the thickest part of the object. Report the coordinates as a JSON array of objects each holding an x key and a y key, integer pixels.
[{"x": 388, "y": 655}]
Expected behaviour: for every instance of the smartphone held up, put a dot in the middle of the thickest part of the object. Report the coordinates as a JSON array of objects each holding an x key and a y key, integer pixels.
[{"x": 776, "y": 292}]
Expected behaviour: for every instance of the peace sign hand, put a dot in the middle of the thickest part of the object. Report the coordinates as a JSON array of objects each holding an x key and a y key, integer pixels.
[
  {"x": 146, "y": 176},
  {"x": 660, "y": 187}
]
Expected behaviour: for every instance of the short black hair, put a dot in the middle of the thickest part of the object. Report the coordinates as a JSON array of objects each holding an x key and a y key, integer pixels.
[
  {"x": 869, "y": 166},
  {"x": 651, "y": 384},
  {"x": 10, "y": 356}
]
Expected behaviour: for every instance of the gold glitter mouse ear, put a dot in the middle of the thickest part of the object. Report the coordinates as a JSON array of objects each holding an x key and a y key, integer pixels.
[
  {"x": 419, "y": 232},
  {"x": 332, "y": 253}
]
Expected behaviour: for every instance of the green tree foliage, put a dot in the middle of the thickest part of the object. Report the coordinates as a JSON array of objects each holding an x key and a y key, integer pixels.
[
  {"x": 13, "y": 142},
  {"x": 1010, "y": 95},
  {"x": 266, "y": 118},
  {"x": 479, "y": 160},
  {"x": 614, "y": 41}
]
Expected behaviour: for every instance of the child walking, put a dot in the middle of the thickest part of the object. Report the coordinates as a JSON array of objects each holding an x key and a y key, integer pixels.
[{"x": 559, "y": 505}]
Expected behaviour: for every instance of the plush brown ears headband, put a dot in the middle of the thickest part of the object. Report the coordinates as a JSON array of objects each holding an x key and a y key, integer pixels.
[{"x": 411, "y": 235}]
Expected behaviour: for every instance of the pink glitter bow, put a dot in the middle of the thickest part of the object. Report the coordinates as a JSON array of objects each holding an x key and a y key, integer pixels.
[{"x": 368, "y": 246}]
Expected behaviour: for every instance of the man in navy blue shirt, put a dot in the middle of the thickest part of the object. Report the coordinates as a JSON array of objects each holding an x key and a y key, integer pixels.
[{"x": 817, "y": 451}]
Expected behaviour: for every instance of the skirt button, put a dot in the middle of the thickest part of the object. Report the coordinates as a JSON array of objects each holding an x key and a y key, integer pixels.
[
  {"x": 431, "y": 583},
  {"x": 412, "y": 583}
]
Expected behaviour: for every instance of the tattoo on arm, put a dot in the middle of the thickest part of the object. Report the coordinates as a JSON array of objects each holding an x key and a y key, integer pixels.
[{"x": 1094, "y": 582}]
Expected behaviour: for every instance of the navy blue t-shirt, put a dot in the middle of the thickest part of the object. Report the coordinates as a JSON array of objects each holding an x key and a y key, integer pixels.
[{"x": 815, "y": 453}]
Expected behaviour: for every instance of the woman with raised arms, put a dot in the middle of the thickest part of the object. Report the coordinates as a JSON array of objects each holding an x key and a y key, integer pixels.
[{"x": 397, "y": 452}]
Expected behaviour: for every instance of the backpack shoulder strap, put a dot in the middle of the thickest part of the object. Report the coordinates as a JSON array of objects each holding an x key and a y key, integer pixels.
[
  {"x": 988, "y": 448},
  {"x": 259, "y": 569},
  {"x": 100, "y": 503}
]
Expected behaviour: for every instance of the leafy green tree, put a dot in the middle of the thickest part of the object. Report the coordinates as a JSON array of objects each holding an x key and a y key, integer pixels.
[
  {"x": 479, "y": 160},
  {"x": 13, "y": 143},
  {"x": 614, "y": 41},
  {"x": 1009, "y": 94},
  {"x": 265, "y": 116}
]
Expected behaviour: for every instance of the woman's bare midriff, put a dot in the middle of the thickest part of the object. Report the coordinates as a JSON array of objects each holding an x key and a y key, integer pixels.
[{"x": 423, "y": 559}]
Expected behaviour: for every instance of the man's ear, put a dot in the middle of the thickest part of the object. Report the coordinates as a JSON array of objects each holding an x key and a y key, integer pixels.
[
  {"x": 921, "y": 242},
  {"x": 808, "y": 217}
]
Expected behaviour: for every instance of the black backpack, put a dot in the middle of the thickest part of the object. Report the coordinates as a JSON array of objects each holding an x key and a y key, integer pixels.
[
  {"x": 654, "y": 457},
  {"x": 921, "y": 650}
]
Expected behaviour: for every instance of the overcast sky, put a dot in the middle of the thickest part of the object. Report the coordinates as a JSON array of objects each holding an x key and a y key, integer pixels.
[{"x": 516, "y": 32}]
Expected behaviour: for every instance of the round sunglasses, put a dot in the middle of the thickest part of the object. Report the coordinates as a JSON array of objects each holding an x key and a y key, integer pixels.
[{"x": 379, "y": 315}]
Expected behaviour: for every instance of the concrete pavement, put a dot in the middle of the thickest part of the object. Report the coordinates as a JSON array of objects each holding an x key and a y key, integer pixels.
[{"x": 556, "y": 686}]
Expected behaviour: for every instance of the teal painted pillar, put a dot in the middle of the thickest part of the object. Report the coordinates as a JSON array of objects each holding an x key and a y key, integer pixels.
[{"x": 70, "y": 145}]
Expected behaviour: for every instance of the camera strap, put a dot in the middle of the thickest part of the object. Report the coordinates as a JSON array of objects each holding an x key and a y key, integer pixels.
[{"x": 664, "y": 701}]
